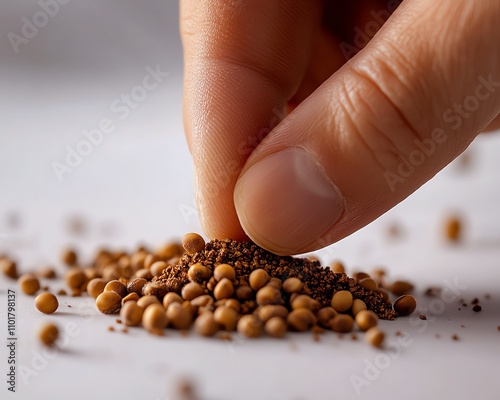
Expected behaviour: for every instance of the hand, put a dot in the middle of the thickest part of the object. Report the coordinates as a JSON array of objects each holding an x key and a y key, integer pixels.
[{"x": 363, "y": 134}]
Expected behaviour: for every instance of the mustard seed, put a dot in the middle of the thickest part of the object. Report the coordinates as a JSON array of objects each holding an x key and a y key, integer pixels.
[
  {"x": 226, "y": 317},
  {"x": 399, "y": 288},
  {"x": 337, "y": 267},
  {"x": 342, "y": 301},
  {"x": 143, "y": 273},
  {"x": 366, "y": 319},
  {"x": 155, "y": 289},
  {"x": 360, "y": 276},
  {"x": 385, "y": 295},
  {"x": 202, "y": 301},
  {"x": 244, "y": 293},
  {"x": 110, "y": 273},
  {"x": 293, "y": 285},
  {"x": 224, "y": 289},
  {"x": 154, "y": 318},
  {"x": 325, "y": 315},
  {"x": 206, "y": 325},
  {"x": 46, "y": 303},
  {"x": 375, "y": 337},
  {"x": 136, "y": 285},
  {"x": 453, "y": 229},
  {"x": 369, "y": 283},
  {"x": 91, "y": 273},
  {"x": 179, "y": 316},
  {"x": 145, "y": 301},
  {"x": 108, "y": 302},
  {"x": 301, "y": 319},
  {"x": 224, "y": 271},
  {"x": 305, "y": 301},
  {"x": 149, "y": 260},
  {"x": 69, "y": 257},
  {"x": 405, "y": 305},
  {"x": 29, "y": 284},
  {"x": 9, "y": 268},
  {"x": 117, "y": 287},
  {"x": 48, "y": 334},
  {"x": 357, "y": 306},
  {"x": 131, "y": 313},
  {"x": 46, "y": 273},
  {"x": 138, "y": 260},
  {"x": 269, "y": 295},
  {"x": 249, "y": 326},
  {"x": 170, "y": 298},
  {"x": 276, "y": 327},
  {"x": 130, "y": 297},
  {"x": 198, "y": 273},
  {"x": 265, "y": 313},
  {"x": 234, "y": 304},
  {"x": 76, "y": 278},
  {"x": 170, "y": 250},
  {"x": 158, "y": 267},
  {"x": 342, "y": 323},
  {"x": 193, "y": 243},
  {"x": 275, "y": 283},
  {"x": 258, "y": 279},
  {"x": 192, "y": 290}
]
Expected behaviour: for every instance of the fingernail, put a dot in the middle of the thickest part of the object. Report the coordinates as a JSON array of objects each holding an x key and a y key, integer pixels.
[{"x": 286, "y": 201}]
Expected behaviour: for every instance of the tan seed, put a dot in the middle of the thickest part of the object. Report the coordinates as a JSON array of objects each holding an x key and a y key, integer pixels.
[
  {"x": 224, "y": 271},
  {"x": 130, "y": 297},
  {"x": 385, "y": 295},
  {"x": 366, "y": 319},
  {"x": 342, "y": 301},
  {"x": 301, "y": 319},
  {"x": 360, "y": 276},
  {"x": 453, "y": 229},
  {"x": 192, "y": 290},
  {"x": 249, "y": 326},
  {"x": 154, "y": 318},
  {"x": 258, "y": 279},
  {"x": 375, "y": 337},
  {"x": 170, "y": 250},
  {"x": 405, "y": 305},
  {"x": 234, "y": 304},
  {"x": 170, "y": 298},
  {"x": 224, "y": 289},
  {"x": 76, "y": 279},
  {"x": 46, "y": 273},
  {"x": 305, "y": 301},
  {"x": 48, "y": 334},
  {"x": 293, "y": 285},
  {"x": 369, "y": 283},
  {"x": 136, "y": 285},
  {"x": 131, "y": 313},
  {"x": 108, "y": 302},
  {"x": 145, "y": 301},
  {"x": 179, "y": 316},
  {"x": 244, "y": 293},
  {"x": 275, "y": 282},
  {"x": 144, "y": 273},
  {"x": 276, "y": 327},
  {"x": 399, "y": 288},
  {"x": 46, "y": 303},
  {"x": 269, "y": 295},
  {"x": 337, "y": 267},
  {"x": 325, "y": 315},
  {"x": 205, "y": 324},
  {"x": 199, "y": 273},
  {"x": 265, "y": 313},
  {"x": 155, "y": 289},
  {"x": 202, "y": 301},
  {"x": 150, "y": 259},
  {"x": 9, "y": 268},
  {"x": 29, "y": 284},
  {"x": 226, "y": 317},
  {"x": 357, "y": 306},
  {"x": 117, "y": 287},
  {"x": 193, "y": 243},
  {"x": 342, "y": 323},
  {"x": 158, "y": 267},
  {"x": 69, "y": 257}
]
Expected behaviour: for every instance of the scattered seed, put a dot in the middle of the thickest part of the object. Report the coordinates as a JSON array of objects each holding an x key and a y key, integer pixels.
[
  {"x": 179, "y": 317},
  {"x": 9, "y": 268},
  {"x": 145, "y": 301},
  {"x": 130, "y": 297},
  {"x": 422, "y": 317},
  {"x": 293, "y": 285},
  {"x": 342, "y": 323},
  {"x": 357, "y": 306},
  {"x": 325, "y": 316},
  {"x": 131, "y": 313},
  {"x": 117, "y": 287},
  {"x": 369, "y": 283},
  {"x": 301, "y": 319},
  {"x": 154, "y": 318},
  {"x": 69, "y": 257},
  {"x": 76, "y": 278},
  {"x": 46, "y": 303},
  {"x": 454, "y": 337},
  {"x": 477, "y": 308},
  {"x": 249, "y": 326},
  {"x": 206, "y": 325},
  {"x": 29, "y": 284},
  {"x": 453, "y": 229},
  {"x": 108, "y": 302},
  {"x": 399, "y": 288},
  {"x": 366, "y": 319},
  {"x": 342, "y": 301},
  {"x": 226, "y": 317},
  {"x": 405, "y": 305},
  {"x": 192, "y": 290},
  {"x": 193, "y": 243},
  {"x": 337, "y": 267},
  {"x": 375, "y": 337},
  {"x": 48, "y": 334},
  {"x": 46, "y": 273}
]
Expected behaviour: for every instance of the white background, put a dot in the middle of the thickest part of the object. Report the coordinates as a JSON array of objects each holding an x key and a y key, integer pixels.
[{"x": 136, "y": 187}]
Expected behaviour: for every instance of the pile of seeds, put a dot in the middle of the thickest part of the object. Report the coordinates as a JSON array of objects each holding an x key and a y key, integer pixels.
[{"x": 224, "y": 286}]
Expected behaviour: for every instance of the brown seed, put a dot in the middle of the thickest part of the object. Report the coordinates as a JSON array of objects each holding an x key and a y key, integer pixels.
[
  {"x": 258, "y": 279},
  {"x": 337, "y": 267},
  {"x": 108, "y": 302},
  {"x": 48, "y": 334},
  {"x": 193, "y": 243},
  {"x": 224, "y": 289},
  {"x": 325, "y": 315},
  {"x": 342, "y": 323},
  {"x": 305, "y": 301},
  {"x": 29, "y": 284},
  {"x": 226, "y": 317},
  {"x": 136, "y": 285},
  {"x": 366, "y": 319},
  {"x": 211, "y": 284},
  {"x": 170, "y": 250},
  {"x": 138, "y": 260},
  {"x": 198, "y": 273},
  {"x": 117, "y": 287},
  {"x": 202, "y": 301},
  {"x": 144, "y": 273},
  {"x": 179, "y": 316},
  {"x": 158, "y": 267},
  {"x": 399, "y": 288},
  {"x": 453, "y": 229},
  {"x": 9, "y": 268},
  {"x": 170, "y": 298},
  {"x": 46, "y": 303},
  {"x": 244, "y": 293},
  {"x": 293, "y": 285},
  {"x": 265, "y": 313},
  {"x": 46, "y": 272},
  {"x": 154, "y": 318},
  {"x": 357, "y": 306},
  {"x": 189, "y": 307},
  {"x": 130, "y": 297},
  {"x": 69, "y": 257},
  {"x": 131, "y": 313},
  {"x": 76, "y": 278},
  {"x": 360, "y": 275},
  {"x": 405, "y": 305},
  {"x": 276, "y": 327},
  {"x": 249, "y": 326},
  {"x": 342, "y": 301},
  {"x": 91, "y": 273},
  {"x": 146, "y": 301},
  {"x": 110, "y": 273},
  {"x": 150, "y": 259},
  {"x": 224, "y": 271},
  {"x": 205, "y": 324},
  {"x": 477, "y": 308},
  {"x": 275, "y": 282},
  {"x": 301, "y": 319},
  {"x": 192, "y": 290},
  {"x": 369, "y": 283},
  {"x": 155, "y": 289},
  {"x": 375, "y": 337},
  {"x": 234, "y": 304},
  {"x": 385, "y": 294},
  {"x": 269, "y": 295}
]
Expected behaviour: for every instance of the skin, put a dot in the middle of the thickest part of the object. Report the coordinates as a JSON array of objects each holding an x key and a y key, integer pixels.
[{"x": 294, "y": 143}]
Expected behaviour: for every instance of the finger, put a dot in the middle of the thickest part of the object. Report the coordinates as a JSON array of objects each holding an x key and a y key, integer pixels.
[
  {"x": 243, "y": 61},
  {"x": 373, "y": 133}
]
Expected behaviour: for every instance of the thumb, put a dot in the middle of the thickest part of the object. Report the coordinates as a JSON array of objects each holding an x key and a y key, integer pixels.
[{"x": 377, "y": 130}]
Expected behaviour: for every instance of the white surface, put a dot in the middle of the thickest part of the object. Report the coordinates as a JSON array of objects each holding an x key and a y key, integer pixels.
[{"x": 132, "y": 189}]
